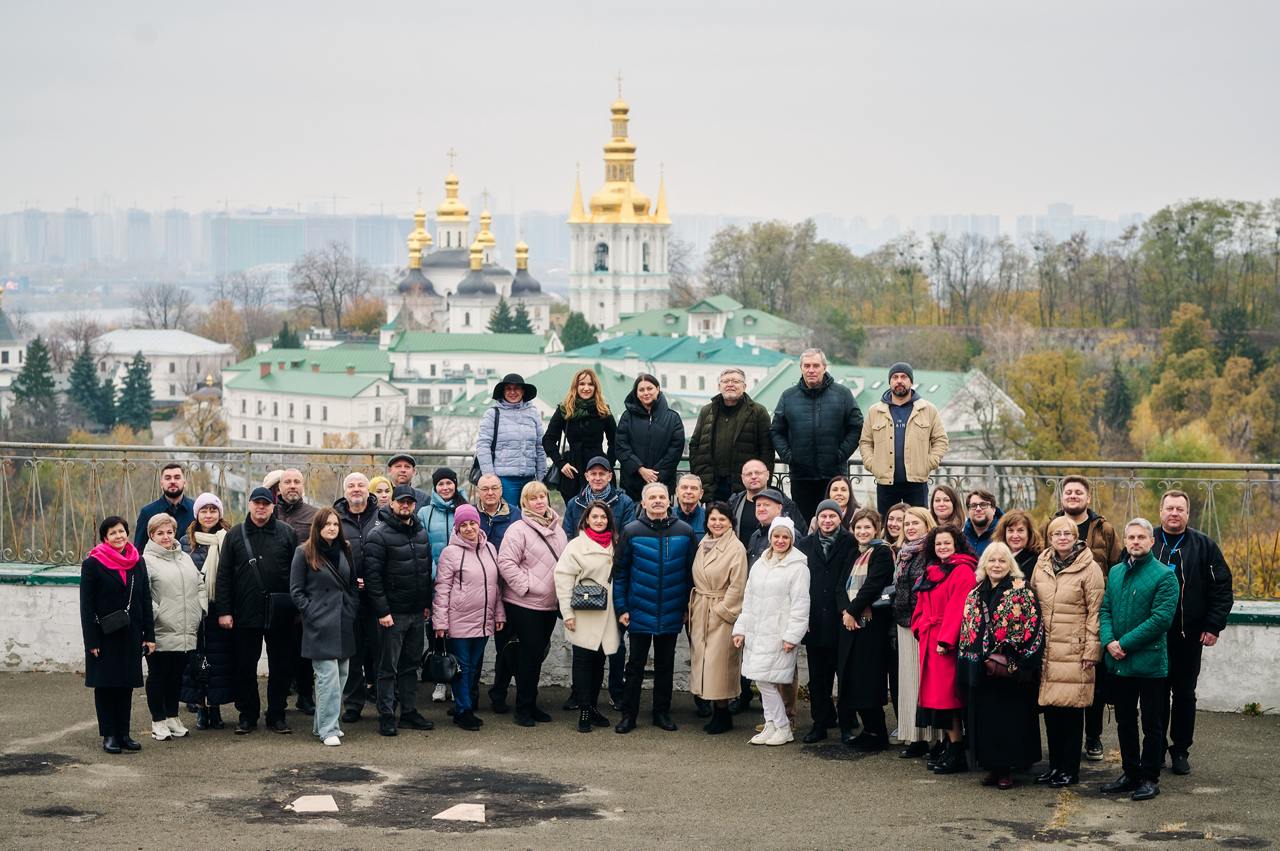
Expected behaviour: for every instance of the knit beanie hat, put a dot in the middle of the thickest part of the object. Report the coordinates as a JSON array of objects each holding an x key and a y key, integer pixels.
[
  {"x": 784, "y": 523},
  {"x": 443, "y": 473},
  {"x": 463, "y": 514},
  {"x": 207, "y": 499},
  {"x": 904, "y": 367},
  {"x": 829, "y": 505}
]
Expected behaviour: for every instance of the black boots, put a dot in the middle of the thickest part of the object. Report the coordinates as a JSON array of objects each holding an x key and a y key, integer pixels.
[
  {"x": 721, "y": 721},
  {"x": 202, "y": 718},
  {"x": 111, "y": 744},
  {"x": 704, "y": 707},
  {"x": 936, "y": 753},
  {"x": 598, "y": 718},
  {"x": 954, "y": 760},
  {"x": 584, "y": 719}
]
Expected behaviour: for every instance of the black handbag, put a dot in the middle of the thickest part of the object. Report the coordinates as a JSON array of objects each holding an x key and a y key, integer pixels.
[
  {"x": 196, "y": 674},
  {"x": 589, "y": 596},
  {"x": 474, "y": 474},
  {"x": 552, "y": 477},
  {"x": 113, "y": 622},
  {"x": 280, "y": 608},
  {"x": 438, "y": 664}
]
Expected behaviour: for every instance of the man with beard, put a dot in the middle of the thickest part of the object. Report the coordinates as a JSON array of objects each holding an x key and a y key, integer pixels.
[
  {"x": 172, "y": 483},
  {"x": 400, "y": 470},
  {"x": 357, "y": 512},
  {"x": 293, "y": 511},
  {"x": 902, "y": 442},
  {"x": 731, "y": 430}
]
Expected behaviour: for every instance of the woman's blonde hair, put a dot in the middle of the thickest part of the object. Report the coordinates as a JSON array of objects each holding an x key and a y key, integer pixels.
[
  {"x": 161, "y": 519},
  {"x": 530, "y": 490},
  {"x": 995, "y": 548},
  {"x": 1062, "y": 521},
  {"x": 377, "y": 480},
  {"x": 915, "y": 511},
  {"x": 570, "y": 403}
]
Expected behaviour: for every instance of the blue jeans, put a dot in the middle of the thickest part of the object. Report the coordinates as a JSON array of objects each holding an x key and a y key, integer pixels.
[
  {"x": 470, "y": 653},
  {"x": 331, "y": 679},
  {"x": 511, "y": 487}
]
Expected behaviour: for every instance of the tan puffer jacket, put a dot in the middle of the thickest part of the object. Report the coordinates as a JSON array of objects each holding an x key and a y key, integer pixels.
[{"x": 1069, "y": 606}]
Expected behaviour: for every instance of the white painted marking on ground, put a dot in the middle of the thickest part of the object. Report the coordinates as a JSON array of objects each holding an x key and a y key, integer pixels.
[
  {"x": 50, "y": 738},
  {"x": 462, "y": 812},
  {"x": 1208, "y": 790},
  {"x": 314, "y": 804}
]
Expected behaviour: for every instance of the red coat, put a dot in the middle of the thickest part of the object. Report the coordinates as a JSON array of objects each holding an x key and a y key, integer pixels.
[{"x": 936, "y": 620}]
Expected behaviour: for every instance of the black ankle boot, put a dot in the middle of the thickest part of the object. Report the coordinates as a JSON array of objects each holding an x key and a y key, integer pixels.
[
  {"x": 202, "y": 718},
  {"x": 215, "y": 718},
  {"x": 584, "y": 719},
  {"x": 721, "y": 721},
  {"x": 936, "y": 754},
  {"x": 955, "y": 761}
]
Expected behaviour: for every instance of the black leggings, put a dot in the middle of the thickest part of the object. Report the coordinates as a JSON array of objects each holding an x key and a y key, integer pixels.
[
  {"x": 113, "y": 706},
  {"x": 588, "y": 675},
  {"x": 164, "y": 683},
  {"x": 532, "y": 628},
  {"x": 1064, "y": 727}
]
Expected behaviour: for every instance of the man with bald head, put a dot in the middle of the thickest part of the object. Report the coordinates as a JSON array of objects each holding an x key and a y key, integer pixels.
[
  {"x": 755, "y": 478},
  {"x": 358, "y": 513}
]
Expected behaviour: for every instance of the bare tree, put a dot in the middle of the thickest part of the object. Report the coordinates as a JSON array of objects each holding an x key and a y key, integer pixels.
[
  {"x": 201, "y": 420},
  {"x": 162, "y": 306},
  {"x": 684, "y": 287},
  {"x": 327, "y": 281},
  {"x": 68, "y": 336}
]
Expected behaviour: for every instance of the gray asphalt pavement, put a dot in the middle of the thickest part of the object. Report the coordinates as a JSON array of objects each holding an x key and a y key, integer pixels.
[{"x": 555, "y": 788}]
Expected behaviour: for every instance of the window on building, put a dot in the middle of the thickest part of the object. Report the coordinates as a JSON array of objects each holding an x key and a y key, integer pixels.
[
  {"x": 664, "y": 380},
  {"x": 173, "y": 367},
  {"x": 466, "y": 319},
  {"x": 433, "y": 370},
  {"x": 644, "y": 257},
  {"x": 446, "y": 396},
  {"x": 602, "y": 257},
  {"x": 275, "y": 435},
  {"x": 324, "y": 413},
  {"x": 244, "y": 431},
  {"x": 308, "y": 416},
  {"x": 290, "y": 410},
  {"x": 684, "y": 382},
  {"x": 377, "y": 441},
  {"x": 377, "y": 413},
  {"x": 259, "y": 432},
  {"x": 4, "y": 357},
  {"x": 173, "y": 390},
  {"x": 244, "y": 404},
  {"x": 424, "y": 397},
  {"x": 291, "y": 435},
  {"x": 308, "y": 438},
  {"x": 702, "y": 382},
  {"x": 261, "y": 405},
  {"x": 275, "y": 409}
]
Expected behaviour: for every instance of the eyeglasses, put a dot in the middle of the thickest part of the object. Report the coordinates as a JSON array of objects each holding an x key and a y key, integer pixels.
[
  {"x": 1062, "y": 533},
  {"x": 976, "y": 505}
]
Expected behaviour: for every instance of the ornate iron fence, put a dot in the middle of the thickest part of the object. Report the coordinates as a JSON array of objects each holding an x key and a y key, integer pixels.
[{"x": 53, "y": 495}]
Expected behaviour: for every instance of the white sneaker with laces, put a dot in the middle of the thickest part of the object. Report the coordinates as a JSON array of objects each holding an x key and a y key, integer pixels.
[
  {"x": 176, "y": 728},
  {"x": 762, "y": 737},
  {"x": 340, "y": 734},
  {"x": 332, "y": 741},
  {"x": 160, "y": 731},
  {"x": 780, "y": 736},
  {"x": 438, "y": 694}
]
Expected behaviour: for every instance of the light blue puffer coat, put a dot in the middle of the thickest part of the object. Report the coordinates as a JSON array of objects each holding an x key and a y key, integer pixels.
[{"x": 519, "y": 449}]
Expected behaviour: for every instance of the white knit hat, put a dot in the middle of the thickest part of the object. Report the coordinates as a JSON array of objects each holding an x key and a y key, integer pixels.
[{"x": 784, "y": 523}]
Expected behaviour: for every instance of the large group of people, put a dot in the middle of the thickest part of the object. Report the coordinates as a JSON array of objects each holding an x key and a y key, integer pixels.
[{"x": 973, "y": 621}]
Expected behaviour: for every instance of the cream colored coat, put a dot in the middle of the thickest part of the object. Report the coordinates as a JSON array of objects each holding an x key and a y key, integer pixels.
[
  {"x": 584, "y": 559},
  {"x": 719, "y": 581},
  {"x": 926, "y": 442},
  {"x": 1069, "y": 605}
]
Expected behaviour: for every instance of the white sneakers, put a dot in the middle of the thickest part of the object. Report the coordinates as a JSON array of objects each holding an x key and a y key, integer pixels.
[
  {"x": 175, "y": 727},
  {"x": 440, "y": 693},
  {"x": 780, "y": 736},
  {"x": 160, "y": 731},
  {"x": 332, "y": 742},
  {"x": 762, "y": 738}
]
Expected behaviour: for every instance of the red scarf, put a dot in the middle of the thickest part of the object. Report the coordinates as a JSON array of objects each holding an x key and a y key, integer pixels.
[
  {"x": 113, "y": 559},
  {"x": 604, "y": 539}
]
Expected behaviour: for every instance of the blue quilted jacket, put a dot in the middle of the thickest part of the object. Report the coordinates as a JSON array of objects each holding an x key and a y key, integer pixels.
[
  {"x": 518, "y": 451},
  {"x": 652, "y": 574}
]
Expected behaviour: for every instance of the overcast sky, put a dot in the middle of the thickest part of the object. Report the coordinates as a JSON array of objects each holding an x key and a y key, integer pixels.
[{"x": 771, "y": 109}]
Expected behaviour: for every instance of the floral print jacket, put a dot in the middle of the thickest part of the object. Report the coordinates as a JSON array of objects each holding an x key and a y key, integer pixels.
[{"x": 1011, "y": 627}]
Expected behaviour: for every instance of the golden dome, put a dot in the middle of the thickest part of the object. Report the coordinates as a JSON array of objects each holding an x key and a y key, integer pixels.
[
  {"x": 477, "y": 256},
  {"x": 522, "y": 255},
  {"x": 419, "y": 240},
  {"x": 486, "y": 237},
  {"x": 619, "y": 200},
  {"x": 451, "y": 209}
]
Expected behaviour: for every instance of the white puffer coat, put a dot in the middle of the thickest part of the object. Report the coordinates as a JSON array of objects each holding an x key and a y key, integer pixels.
[
  {"x": 775, "y": 609},
  {"x": 178, "y": 597}
]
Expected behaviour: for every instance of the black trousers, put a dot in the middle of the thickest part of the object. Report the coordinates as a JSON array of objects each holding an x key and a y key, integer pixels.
[
  {"x": 618, "y": 666},
  {"x": 664, "y": 666},
  {"x": 1152, "y": 695},
  {"x": 282, "y": 653},
  {"x": 822, "y": 676},
  {"x": 363, "y": 670},
  {"x": 807, "y": 493},
  {"x": 848, "y": 712},
  {"x": 912, "y": 493},
  {"x": 112, "y": 706},
  {"x": 588, "y": 675},
  {"x": 1064, "y": 728},
  {"x": 532, "y": 628},
  {"x": 1184, "y": 671},
  {"x": 1094, "y": 713},
  {"x": 164, "y": 683}
]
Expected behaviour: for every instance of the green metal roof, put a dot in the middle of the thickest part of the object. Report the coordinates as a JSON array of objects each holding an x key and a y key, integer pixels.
[
  {"x": 505, "y": 344},
  {"x": 936, "y": 386},
  {"x": 721, "y": 350},
  {"x": 552, "y": 384},
  {"x": 366, "y": 358},
  {"x": 716, "y": 304},
  {"x": 304, "y": 382},
  {"x": 742, "y": 321}
]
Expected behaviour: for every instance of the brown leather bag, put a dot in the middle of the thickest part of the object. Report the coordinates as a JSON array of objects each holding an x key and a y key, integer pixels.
[{"x": 997, "y": 665}]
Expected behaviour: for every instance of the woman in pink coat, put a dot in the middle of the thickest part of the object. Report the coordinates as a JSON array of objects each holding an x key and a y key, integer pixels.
[
  {"x": 468, "y": 607},
  {"x": 940, "y": 594},
  {"x": 527, "y": 560}
]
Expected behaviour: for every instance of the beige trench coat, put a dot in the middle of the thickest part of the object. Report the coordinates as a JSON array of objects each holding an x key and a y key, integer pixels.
[
  {"x": 719, "y": 580},
  {"x": 1070, "y": 602},
  {"x": 584, "y": 559}
]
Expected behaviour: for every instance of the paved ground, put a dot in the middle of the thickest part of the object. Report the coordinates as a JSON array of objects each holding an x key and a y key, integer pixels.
[{"x": 555, "y": 788}]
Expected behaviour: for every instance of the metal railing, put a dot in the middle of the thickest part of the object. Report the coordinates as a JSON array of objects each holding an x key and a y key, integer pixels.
[{"x": 52, "y": 496}]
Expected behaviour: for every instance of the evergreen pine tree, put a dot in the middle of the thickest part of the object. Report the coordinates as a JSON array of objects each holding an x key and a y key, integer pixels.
[
  {"x": 1117, "y": 402},
  {"x": 520, "y": 321},
  {"x": 34, "y": 415},
  {"x": 1233, "y": 336},
  {"x": 576, "y": 333},
  {"x": 82, "y": 388},
  {"x": 104, "y": 403},
  {"x": 500, "y": 320},
  {"x": 287, "y": 338},
  {"x": 134, "y": 407}
]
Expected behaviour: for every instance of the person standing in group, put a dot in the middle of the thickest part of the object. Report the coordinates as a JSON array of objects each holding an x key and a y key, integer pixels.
[
  {"x": 468, "y": 608},
  {"x": 437, "y": 514},
  {"x": 719, "y": 581},
  {"x": 892, "y": 535},
  {"x": 587, "y": 429},
  {"x": 946, "y": 507},
  {"x": 1138, "y": 608},
  {"x": 862, "y": 659},
  {"x": 731, "y": 430},
  {"x": 527, "y": 562},
  {"x": 688, "y": 504},
  {"x": 179, "y": 602},
  {"x": 830, "y": 553},
  {"x": 650, "y": 438},
  {"x": 940, "y": 595},
  {"x": 1068, "y": 584},
  {"x": 323, "y": 584},
  {"x": 1204, "y": 603},
  {"x": 839, "y": 491},
  {"x": 893, "y": 523},
  {"x": 357, "y": 513},
  {"x": 293, "y": 509},
  {"x": 510, "y": 440},
  {"x": 588, "y": 560},
  {"x": 902, "y": 441},
  {"x": 1076, "y": 500},
  {"x": 205, "y": 541},
  {"x": 651, "y": 579},
  {"x": 815, "y": 429},
  {"x": 118, "y": 625},
  {"x": 496, "y": 515},
  {"x": 909, "y": 567},
  {"x": 400, "y": 471},
  {"x": 755, "y": 481},
  {"x": 984, "y": 516},
  {"x": 380, "y": 489},
  {"x": 774, "y": 620},
  {"x": 173, "y": 482},
  {"x": 253, "y": 600},
  {"x": 1001, "y": 642},
  {"x": 1017, "y": 531}
]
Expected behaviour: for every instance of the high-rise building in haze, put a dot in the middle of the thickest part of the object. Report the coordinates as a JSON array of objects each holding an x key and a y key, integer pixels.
[
  {"x": 138, "y": 247},
  {"x": 177, "y": 237},
  {"x": 77, "y": 237}
]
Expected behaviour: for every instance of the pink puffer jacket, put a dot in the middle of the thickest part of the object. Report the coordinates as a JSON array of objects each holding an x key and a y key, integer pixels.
[
  {"x": 468, "y": 602},
  {"x": 527, "y": 562}
]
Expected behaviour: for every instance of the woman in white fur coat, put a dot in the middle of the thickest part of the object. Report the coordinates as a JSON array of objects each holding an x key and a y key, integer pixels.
[{"x": 774, "y": 619}]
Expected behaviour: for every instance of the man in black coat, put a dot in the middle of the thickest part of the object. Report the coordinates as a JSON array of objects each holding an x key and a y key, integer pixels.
[
  {"x": 816, "y": 427},
  {"x": 172, "y": 502},
  {"x": 358, "y": 513},
  {"x": 245, "y": 582},
  {"x": 1203, "y": 605},
  {"x": 831, "y": 551},
  {"x": 397, "y": 573},
  {"x": 742, "y": 505},
  {"x": 731, "y": 430}
]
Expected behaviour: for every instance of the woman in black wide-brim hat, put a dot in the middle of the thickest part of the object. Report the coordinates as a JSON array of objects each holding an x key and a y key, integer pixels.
[{"x": 510, "y": 441}]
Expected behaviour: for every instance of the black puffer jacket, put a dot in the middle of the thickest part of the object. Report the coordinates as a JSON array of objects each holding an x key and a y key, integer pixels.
[
  {"x": 356, "y": 527},
  {"x": 218, "y": 646},
  {"x": 241, "y": 593},
  {"x": 827, "y": 572},
  {"x": 1204, "y": 596},
  {"x": 397, "y": 565},
  {"x": 816, "y": 429},
  {"x": 653, "y": 439}
]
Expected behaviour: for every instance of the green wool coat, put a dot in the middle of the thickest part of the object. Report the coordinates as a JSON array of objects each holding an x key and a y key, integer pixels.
[{"x": 1137, "y": 611}]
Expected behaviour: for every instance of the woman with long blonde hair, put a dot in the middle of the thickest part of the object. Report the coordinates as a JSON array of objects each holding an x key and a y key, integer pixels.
[
  {"x": 580, "y": 429},
  {"x": 909, "y": 567}
]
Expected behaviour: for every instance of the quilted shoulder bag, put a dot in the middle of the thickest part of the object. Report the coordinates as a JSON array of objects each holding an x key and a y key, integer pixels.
[{"x": 589, "y": 596}]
